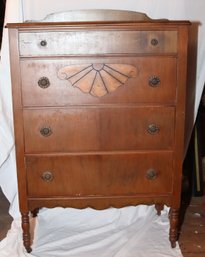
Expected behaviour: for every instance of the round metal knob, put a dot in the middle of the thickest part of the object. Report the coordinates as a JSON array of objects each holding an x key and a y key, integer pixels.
[
  {"x": 47, "y": 176},
  {"x": 154, "y": 41},
  {"x": 46, "y": 131},
  {"x": 151, "y": 174},
  {"x": 43, "y": 43},
  {"x": 43, "y": 82},
  {"x": 154, "y": 81},
  {"x": 153, "y": 129}
]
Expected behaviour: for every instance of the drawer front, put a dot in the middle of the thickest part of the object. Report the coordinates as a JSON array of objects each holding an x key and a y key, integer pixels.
[
  {"x": 98, "y": 129},
  {"x": 154, "y": 80},
  {"x": 96, "y": 42},
  {"x": 100, "y": 175}
]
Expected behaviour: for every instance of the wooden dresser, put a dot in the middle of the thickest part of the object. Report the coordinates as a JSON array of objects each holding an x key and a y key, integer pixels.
[{"x": 99, "y": 110}]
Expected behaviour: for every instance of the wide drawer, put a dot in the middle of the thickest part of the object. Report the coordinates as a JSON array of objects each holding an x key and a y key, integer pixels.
[
  {"x": 91, "y": 42},
  {"x": 98, "y": 129},
  {"x": 100, "y": 175},
  {"x": 148, "y": 79}
]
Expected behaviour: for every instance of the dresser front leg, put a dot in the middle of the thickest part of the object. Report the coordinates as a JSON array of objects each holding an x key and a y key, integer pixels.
[
  {"x": 173, "y": 233},
  {"x": 26, "y": 231}
]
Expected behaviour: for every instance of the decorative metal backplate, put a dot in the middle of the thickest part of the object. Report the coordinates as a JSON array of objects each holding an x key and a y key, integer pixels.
[{"x": 97, "y": 79}]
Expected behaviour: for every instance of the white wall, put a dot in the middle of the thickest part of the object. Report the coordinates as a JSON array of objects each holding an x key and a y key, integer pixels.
[{"x": 155, "y": 8}]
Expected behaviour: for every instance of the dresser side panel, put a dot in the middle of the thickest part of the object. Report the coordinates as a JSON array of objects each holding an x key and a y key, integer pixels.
[
  {"x": 180, "y": 113},
  {"x": 18, "y": 118}
]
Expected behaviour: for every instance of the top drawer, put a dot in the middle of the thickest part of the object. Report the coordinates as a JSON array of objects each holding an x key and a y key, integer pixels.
[{"x": 97, "y": 42}]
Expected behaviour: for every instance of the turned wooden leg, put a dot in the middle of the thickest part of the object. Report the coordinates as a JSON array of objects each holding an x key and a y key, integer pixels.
[
  {"x": 159, "y": 207},
  {"x": 26, "y": 232},
  {"x": 35, "y": 212},
  {"x": 173, "y": 233}
]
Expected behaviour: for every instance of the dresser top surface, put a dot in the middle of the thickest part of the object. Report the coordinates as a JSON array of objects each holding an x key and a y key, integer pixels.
[{"x": 95, "y": 24}]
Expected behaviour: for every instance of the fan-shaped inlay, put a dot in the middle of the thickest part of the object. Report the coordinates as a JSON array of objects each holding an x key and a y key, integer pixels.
[{"x": 98, "y": 79}]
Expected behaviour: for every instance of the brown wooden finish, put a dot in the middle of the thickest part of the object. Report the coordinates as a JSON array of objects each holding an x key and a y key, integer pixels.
[
  {"x": 60, "y": 92},
  {"x": 95, "y": 42},
  {"x": 18, "y": 120},
  {"x": 98, "y": 79},
  {"x": 98, "y": 129},
  {"x": 100, "y": 175},
  {"x": 26, "y": 228},
  {"x": 173, "y": 233},
  {"x": 99, "y": 112},
  {"x": 159, "y": 208},
  {"x": 98, "y": 203},
  {"x": 141, "y": 24},
  {"x": 180, "y": 115}
]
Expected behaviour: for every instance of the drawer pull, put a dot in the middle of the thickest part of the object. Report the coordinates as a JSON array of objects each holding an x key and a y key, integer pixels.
[
  {"x": 154, "y": 81},
  {"x": 153, "y": 129},
  {"x": 43, "y": 82},
  {"x": 151, "y": 174},
  {"x": 46, "y": 131},
  {"x": 43, "y": 43},
  {"x": 47, "y": 176},
  {"x": 154, "y": 42}
]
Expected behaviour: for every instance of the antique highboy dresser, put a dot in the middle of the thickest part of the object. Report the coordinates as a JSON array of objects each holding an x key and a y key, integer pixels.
[{"x": 99, "y": 110}]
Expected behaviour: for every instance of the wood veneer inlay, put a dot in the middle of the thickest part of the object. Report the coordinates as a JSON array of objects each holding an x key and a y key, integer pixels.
[{"x": 98, "y": 79}]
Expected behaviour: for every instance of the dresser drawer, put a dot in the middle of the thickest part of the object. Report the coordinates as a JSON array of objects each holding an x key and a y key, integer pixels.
[
  {"x": 98, "y": 129},
  {"x": 93, "y": 42},
  {"x": 100, "y": 175},
  {"x": 152, "y": 79}
]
